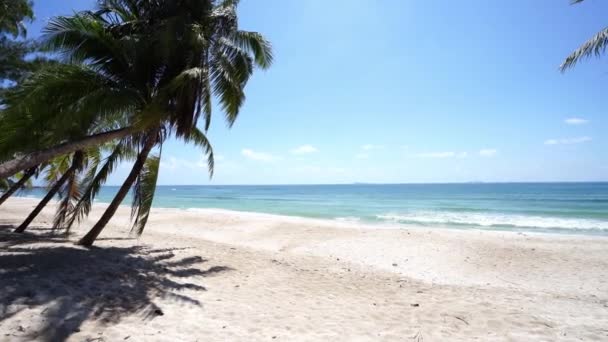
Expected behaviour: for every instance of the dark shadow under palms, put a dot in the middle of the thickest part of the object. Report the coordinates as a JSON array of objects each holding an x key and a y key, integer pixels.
[{"x": 76, "y": 284}]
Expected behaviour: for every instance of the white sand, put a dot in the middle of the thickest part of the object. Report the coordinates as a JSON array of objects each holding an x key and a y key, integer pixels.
[{"x": 226, "y": 276}]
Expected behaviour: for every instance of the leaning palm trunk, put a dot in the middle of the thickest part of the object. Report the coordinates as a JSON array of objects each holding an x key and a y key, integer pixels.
[
  {"x": 44, "y": 201},
  {"x": 26, "y": 176},
  {"x": 13, "y": 166},
  {"x": 91, "y": 236}
]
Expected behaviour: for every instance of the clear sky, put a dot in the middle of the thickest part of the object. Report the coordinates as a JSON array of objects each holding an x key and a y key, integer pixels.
[{"x": 397, "y": 91}]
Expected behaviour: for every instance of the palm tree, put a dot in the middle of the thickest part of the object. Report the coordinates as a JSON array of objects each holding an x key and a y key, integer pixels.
[
  {"x": 595, "y": 46},
  {"x": 150, "y": 66},
  {"x": 95, "y": 177},
  {"x": 12, "y": 187},
  {"x": 75, "y": 163},
  {"x": 182, "y": 51}
]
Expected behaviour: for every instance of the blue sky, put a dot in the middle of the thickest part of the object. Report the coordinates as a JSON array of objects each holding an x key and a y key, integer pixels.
[{"x": 398, "y": 91}]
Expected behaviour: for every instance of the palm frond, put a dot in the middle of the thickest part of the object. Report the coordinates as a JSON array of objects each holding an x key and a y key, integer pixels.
[
  {"x": 256, "y": 44},
  {"x": 229, "y": 93},
  {"x": 143, "y": 193},
  {"x": 13, "y": 13},
  {"x": 69, "y": 193},
  {"x": 56, "y": 168},
  {"x": 96, "y": 176},
  {"x": 206, "y": 100},
  {"x": 197, "y": 137},
  {"x": 83, "y": 37},
  {"x": 59, "y": 102},
  {"x": 595, "y": 46}
]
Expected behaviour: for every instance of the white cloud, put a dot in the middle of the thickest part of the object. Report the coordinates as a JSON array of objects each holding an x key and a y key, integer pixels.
[
  {"x": 442, "y": 155},
  {"x": 365, "y": 150},
  {"x": 182, "y": 166},
  {"x": 304, "y": 149},
  {"x": 173, "y": 163},
  {"x": 567, "y": 141},
  {"x": 576, "y": 121},
  {"x": 487, "y": 152},
  {"x": 259, "y": 156},
  {"x": 369, "y": 147}
]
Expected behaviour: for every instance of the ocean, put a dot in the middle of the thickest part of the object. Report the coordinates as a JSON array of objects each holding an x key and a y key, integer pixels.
[{"x": 580, "y": 208}]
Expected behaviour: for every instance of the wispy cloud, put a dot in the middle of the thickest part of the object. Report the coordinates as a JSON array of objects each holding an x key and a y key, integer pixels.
[
  {"x": 442, "y": 155},
  {"x": 488, "y": 152},
  {"x": 304, "y": 149},
  {"x": 370, "y": 147},
  {"x": 173, "y": 163},
  {"x": 259, "y": 156},
  {"x": 576, "y": 121},
  {"x": 365, "y": 150},
  {"x": 567, "y": 141}
]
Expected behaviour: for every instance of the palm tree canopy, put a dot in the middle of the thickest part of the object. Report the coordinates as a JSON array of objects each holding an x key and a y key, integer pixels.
[
  {"x": 12, "y": 15},
  {"x": 13, "y": 65},
  {"x": 135, "y": 63}
]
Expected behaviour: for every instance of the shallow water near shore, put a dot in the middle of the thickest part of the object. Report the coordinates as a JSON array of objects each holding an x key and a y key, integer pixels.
[{"x": 580, "y": 208}]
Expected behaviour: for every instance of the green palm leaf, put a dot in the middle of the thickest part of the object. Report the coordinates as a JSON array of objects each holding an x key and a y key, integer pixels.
[
  {"x": 70, "y": 191},
  {"x": 143, "y": 194},
  {"x": 84, "y": 38},
  {"x": 256, "y": 44},
  {"x": 96, "y": 176},
  {"x": 59, "y": 102},
  {"x": 198, "y": 138}
]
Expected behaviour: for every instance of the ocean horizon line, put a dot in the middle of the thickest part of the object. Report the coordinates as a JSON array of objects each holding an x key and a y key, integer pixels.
[{"x": 379, "y": 183}]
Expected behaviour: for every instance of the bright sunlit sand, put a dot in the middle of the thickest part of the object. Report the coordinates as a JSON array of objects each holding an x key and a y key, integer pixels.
[{"x": 215, "y": 275}]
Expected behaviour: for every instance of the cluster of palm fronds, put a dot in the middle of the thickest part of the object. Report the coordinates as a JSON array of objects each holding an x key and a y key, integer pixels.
[{"x": 128, "y": 76}]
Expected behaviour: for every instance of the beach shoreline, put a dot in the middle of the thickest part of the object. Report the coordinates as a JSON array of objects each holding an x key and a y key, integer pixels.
[
  {"x": 357, "y": 223},
  {"x": 303, "y": 279},
  {"x": 560, "y": 208}
]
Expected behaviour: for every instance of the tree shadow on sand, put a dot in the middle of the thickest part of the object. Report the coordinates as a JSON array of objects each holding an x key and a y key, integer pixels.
[{"x": 69, "y": 284}]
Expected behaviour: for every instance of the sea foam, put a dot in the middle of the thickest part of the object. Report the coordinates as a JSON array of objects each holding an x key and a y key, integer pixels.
[{"x": 494, "y": 220}]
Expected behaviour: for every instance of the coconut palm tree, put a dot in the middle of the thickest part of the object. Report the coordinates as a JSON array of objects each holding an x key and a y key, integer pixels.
[
  {"x": 152, "y": 67},
  {"x": 155, "y": 61},
  {"x": 67, "y": 167},
  {"x": 95, "y": 176},
  {"x": 72, "y": 186},
  {"x": 595, "y": 46},
  {"x": 10, "y": 187}
]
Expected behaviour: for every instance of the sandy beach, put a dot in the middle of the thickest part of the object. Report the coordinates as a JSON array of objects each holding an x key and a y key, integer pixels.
[{"x": 215, "y": 275}]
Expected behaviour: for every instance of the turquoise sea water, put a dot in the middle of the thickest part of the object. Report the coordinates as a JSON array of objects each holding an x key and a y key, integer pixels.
[{"x": 547, "y": 207}]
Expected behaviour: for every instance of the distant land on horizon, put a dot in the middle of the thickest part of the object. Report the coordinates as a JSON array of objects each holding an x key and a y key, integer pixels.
[{"x": 372, "y": 183}]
